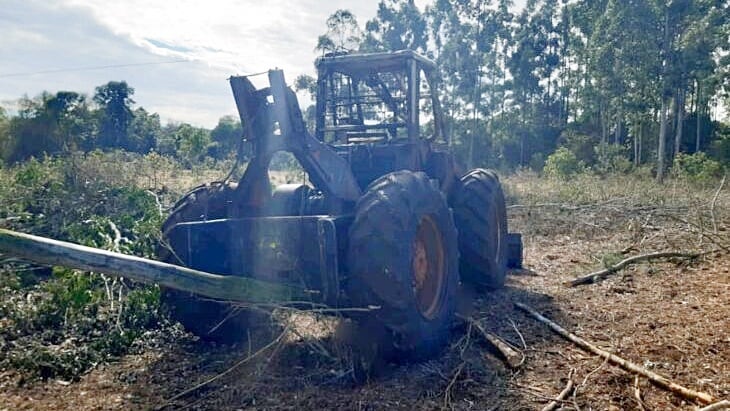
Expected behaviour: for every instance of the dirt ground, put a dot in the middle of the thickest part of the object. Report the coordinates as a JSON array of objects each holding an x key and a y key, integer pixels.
[{"x": 672, "y": 317}]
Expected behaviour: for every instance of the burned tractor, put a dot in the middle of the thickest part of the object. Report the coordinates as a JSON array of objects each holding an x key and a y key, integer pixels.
[{"x": 386, "y": 220}]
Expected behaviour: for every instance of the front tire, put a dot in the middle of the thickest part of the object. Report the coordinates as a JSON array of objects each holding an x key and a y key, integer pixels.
[
  {"x": 481, "y": 217},
  {"x": 402, "y": 258}
]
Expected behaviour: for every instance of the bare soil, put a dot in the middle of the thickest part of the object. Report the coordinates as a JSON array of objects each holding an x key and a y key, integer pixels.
[{"x": 672, "y": 317}]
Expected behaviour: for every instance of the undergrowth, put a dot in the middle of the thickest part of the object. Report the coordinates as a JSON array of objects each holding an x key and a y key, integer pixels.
[
  {"x": 60, "y": 323},
  {"x": 637, "y": 188}
]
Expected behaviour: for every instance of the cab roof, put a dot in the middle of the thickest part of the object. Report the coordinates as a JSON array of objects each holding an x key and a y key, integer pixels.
[{"x": 363, "y": 63}]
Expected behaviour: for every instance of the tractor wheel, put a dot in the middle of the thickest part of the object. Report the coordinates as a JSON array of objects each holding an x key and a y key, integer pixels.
[
  {"x": 208, "y": 319},
  {"x": 481, "y": 218},
  {"x": 204, "y": 202},
  {"x": 403, "y": 259}
]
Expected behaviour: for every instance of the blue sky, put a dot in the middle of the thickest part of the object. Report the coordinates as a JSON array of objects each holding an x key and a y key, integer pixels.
[{"x": 176, "y": 54}]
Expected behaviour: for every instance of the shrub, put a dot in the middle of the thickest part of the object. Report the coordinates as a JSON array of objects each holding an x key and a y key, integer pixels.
[
  {"x": 611, "y": 158},
  {"x": 562, "y": 164},
  {"x": 71, "y": 320},
  {"x": 696, "y": 168},
  {"x": 720, "y": 148},
  {"x": 582, "y": 145}
]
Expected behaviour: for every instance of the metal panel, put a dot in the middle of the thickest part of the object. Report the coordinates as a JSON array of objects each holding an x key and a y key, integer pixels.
[{"x": 301, "y": 251}]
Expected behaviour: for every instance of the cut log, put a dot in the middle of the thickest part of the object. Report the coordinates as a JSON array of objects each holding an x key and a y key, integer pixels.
[
  {"x": 46, "y": 251},
  {"x": 512, "y": 357},
  {"x": 655, "y": 378},
  {"x": 601, "y": 274}
]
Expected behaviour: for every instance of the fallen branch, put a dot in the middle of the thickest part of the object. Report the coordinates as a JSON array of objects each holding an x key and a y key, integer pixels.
[
  {"x": 601, "y": 274},
  {"x": 722, "y": 405},
  {"x": 513, "y": 358},
  {"x": 714, "y": 202},
  {"x": 447, "y": 392},
  {"x": 701, "y": 231},
  {"x": 655, "y": 378},
  {"x": 637, "y": 394},
  {"x": 563, "y": 394}
]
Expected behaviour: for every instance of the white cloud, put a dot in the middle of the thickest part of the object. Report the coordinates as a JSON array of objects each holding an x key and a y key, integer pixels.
[{"x": 216, "y": 38}]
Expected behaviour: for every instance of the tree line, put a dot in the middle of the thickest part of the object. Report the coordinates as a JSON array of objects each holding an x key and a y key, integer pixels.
[
  {"x": 605, "y": 79},
  {"x": 613, "y": 83},
  {"x": 67, "y": 121}
]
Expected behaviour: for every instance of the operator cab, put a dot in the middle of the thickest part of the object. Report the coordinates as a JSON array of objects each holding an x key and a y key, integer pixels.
[{"x": 376, "y": 97}]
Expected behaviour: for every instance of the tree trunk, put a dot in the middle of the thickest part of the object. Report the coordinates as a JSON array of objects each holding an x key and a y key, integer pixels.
[
  {"x": 680, "y": 122},
  {"x": 604, "y": 125},
  {"x": 636, "y": 145},
  {"x": 641, "y": 142},
  {"x": 46, "y": 251},
  {"x": 619, "y": 124},
  {"x": 661, "y": 150},
  {"x": 697, "y": 116}
]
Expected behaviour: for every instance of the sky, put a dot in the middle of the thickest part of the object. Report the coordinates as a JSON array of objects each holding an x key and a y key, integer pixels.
[{"x": 176, "y": 54}]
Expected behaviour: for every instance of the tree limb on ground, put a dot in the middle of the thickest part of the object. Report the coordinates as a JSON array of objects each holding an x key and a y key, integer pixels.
[
  {"x": 601, "y": 274},
  {"x": 563, "y": 394},
  {"x": 512, "y": 357},
  {"x": 721, "y": 405},
  {"x": 714, "y": 203},
  {"x": 655, "y": 378}
]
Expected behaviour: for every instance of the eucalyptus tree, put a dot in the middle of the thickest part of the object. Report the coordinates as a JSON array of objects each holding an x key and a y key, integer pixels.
[
  {"x": 343, "y": 33},
  {"x": 397, "y": 25},
  {"x": 115, "y": 103}
]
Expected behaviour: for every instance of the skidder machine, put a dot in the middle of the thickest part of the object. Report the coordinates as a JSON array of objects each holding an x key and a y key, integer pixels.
[{"x": 386, "y": 221}]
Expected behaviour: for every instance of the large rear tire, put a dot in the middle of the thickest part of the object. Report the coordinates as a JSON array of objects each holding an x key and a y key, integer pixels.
[
  {"x": 402, "y": 258},
  {"x": 208, "y": 319},
  {"x": 481, "y": 218}
]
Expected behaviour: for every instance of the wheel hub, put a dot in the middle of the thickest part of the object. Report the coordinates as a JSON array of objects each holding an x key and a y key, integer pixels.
[{"x": 428, "y": 266}]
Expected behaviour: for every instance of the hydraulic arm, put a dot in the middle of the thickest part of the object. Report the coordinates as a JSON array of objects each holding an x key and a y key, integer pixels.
[{"x": 273, "y": 122}]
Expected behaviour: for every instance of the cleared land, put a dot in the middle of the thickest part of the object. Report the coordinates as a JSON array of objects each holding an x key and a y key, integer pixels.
[{"x": 669, "y": 316}]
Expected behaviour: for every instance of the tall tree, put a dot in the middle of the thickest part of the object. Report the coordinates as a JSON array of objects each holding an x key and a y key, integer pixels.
[
  {"x": 50, "y": 124},
  {"x": 398, "y": 25},
  {"x": 4, "y": 134},
  {"x": 226, "y": 136},
  {"x": 116, "y": 115},
  {"x": 343, "y": 33},
  {"x": 143, "y": 131}
]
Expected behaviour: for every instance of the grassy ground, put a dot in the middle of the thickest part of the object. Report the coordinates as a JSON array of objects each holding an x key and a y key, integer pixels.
[{"x": 669, "y": 316}]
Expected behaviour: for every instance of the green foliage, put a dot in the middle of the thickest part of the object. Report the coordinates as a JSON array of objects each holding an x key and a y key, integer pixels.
[
  {"x": 192, "y": 143},
  {"x": 720, "y": 148},
  {"x": 697, "y": 168},
  {"x": 49, "y": 124},
  {"x": 4, "y": 135},
  {"x": 144, "y": 129},
  {"x": 226, "y": 137},
  {"x": 563, "y": 164},
  {"x": 610, "y": 159},
  {"x": 610, "y": 258},
  {"x": 71, "y": 320},
  {"x": 582, "y": 145},
  {"x": 115, "y": 102},
  {"x": 397, "y": 25},
  {"x": 343, "y": 33}
]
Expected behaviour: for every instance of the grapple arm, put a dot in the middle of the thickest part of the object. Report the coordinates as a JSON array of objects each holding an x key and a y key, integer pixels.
[{"x": 272, "y": 122}]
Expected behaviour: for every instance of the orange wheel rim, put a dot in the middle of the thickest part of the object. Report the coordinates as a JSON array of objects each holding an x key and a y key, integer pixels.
[{"x": 429, "y": 267}]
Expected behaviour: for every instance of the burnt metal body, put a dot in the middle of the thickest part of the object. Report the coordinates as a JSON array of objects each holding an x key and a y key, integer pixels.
[{"x": 375, "y": 114}]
